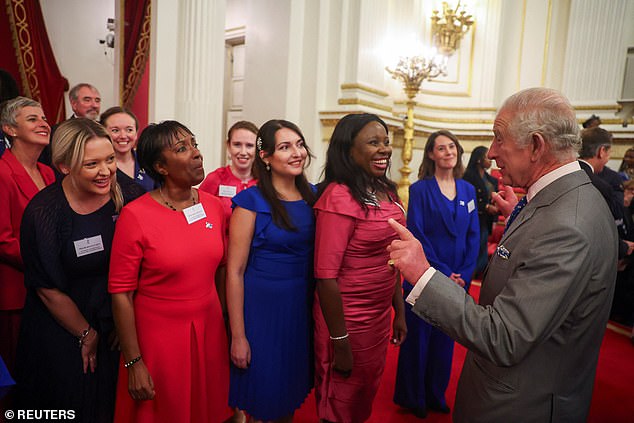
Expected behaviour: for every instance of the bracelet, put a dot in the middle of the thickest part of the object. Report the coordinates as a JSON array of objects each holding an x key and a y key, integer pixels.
[
  {"x": 132, "y": 362},
  {"x": 82, "y": 337},
  {"x": 338, "y": 338}
]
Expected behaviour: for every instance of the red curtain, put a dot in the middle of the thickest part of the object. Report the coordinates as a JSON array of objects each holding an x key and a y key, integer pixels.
[
  {"x": 26, "y": 53},
  {"x": 136, "y": 55}
]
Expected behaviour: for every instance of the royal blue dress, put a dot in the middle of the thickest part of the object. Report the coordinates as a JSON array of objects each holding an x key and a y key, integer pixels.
[
  {"x": 278, "y": 292},
  {"x": 450, "y": 234}
]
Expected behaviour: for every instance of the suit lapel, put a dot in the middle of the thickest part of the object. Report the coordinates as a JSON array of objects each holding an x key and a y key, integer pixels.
[{"x": 545, "y": 197}]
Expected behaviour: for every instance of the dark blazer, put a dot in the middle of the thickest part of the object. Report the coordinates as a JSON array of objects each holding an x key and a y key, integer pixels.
[
  {"x": 16, "y": 190},
  {"x": 534, "y": 338},
  {"x": 611, "y": 198},
  {"x": 615, "y": 181},
  {"x": 483, "y": 195}
]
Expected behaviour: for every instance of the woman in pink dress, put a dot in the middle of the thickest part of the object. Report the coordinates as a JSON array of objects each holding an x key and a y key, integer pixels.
[
  {"x": 167, "y": 251},
  {"x": 356, "y": 288}
]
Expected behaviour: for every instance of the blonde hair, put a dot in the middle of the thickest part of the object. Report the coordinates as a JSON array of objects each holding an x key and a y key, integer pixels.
[{"x": 69, "y": 143}]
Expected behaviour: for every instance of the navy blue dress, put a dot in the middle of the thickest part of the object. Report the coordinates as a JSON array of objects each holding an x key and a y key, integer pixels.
[{"x": 278, "y": 292}]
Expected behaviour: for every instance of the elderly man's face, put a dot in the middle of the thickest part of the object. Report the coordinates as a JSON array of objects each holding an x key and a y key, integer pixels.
[
  {"x": 87, "y": 104},
  {"x": 514, "y": 162}
]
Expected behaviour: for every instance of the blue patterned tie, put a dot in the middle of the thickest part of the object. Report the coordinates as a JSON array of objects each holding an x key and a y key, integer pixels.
[{"x": 518, "y": 208}]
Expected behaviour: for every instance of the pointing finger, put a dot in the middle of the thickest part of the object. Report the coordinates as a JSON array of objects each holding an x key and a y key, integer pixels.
[{"x": 401, "y": 230}]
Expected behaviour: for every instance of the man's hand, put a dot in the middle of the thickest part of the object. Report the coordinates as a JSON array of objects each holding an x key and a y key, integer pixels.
[
  {"x": 505, "y": 200},
  {"x": 407, "y": 253}
]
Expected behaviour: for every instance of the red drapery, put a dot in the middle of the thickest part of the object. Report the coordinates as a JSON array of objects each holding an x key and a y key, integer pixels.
[
  {"x": 136, "y": 55},
  {"x": 27, "y": 54}
]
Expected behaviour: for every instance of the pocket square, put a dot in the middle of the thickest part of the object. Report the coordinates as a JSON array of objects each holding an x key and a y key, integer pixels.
[{"x": 503, "y": 252}]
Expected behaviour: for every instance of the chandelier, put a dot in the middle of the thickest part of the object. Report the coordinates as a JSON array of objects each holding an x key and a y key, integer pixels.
[
  {"x": 412, "y": 71},
  {"x": 447, "y": 30}
]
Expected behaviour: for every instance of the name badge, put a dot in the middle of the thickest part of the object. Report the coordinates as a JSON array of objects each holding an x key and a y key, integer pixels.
[
  {"x": 226, "y": 191},
  {"x": 194, "y": 213},
  {"x": 86, "y": 246},
  {"x": 471, "y": 206}
]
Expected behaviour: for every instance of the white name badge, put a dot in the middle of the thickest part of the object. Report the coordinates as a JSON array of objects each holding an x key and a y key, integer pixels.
[
  {"x": 226, "y": 191},
  {"x": 194, "y": 213},
  {"x": 471, "y": 206},
  {"x": 86, "y": 246}
]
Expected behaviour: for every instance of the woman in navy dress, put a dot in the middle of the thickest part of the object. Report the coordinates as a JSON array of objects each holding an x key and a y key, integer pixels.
[
  {"x": 123, "y": 127},
  {"x": 269, "y": 279},
  {"x": 443, "y": 216}
]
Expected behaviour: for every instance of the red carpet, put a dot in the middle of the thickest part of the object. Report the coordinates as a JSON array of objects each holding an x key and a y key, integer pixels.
[{"x": 611, "y": 402}]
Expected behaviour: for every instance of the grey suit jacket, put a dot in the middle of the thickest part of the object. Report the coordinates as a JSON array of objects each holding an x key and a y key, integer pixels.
[{"x": 534, "y": 338}]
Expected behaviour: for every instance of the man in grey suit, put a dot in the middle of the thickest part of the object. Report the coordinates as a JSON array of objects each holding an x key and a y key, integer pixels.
[{"x": 534, "y": 337}]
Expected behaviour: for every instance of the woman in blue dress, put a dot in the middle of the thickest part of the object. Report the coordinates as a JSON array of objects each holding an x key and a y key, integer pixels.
[
  {"x": 443, "y": 216},
  {"x": 269, "y": 279}
]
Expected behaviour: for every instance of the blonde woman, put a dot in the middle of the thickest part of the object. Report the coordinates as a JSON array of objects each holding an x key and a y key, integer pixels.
[{"x": 65, "y": 358}]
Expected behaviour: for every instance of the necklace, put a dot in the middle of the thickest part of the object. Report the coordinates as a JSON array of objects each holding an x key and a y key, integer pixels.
[{"x": 167, "y": 203}]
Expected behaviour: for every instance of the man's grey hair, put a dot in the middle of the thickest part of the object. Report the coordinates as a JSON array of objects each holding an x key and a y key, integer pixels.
[
  {"x": 11, "y": 109},
  {"x": 549, "y": 113},
  {"x": 73, "y": 93}
]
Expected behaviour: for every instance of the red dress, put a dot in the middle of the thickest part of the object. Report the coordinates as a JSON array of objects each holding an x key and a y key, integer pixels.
[
  {"x": 221, "y": 183},
  {"x": 16, "y": 190},
  {"x": 171, "y": 265},
  {"x": 351, "y": 248}
]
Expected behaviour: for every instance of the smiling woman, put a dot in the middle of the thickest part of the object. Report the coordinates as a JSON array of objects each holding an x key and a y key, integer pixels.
[
  {"x": 356, "y": 287},
  {"x": 21, "y": 177},
  {"x": 122, "y": 125},
  {"x": 226, "y": 182},
  {"x": 67, "y": 347},
  {"x": 443, "y": 215},
  {"x": 269, "y": 279}
]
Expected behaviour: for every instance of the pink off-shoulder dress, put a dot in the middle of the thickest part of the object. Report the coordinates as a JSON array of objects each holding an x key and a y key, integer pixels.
[{"x": 350, "y": 246}]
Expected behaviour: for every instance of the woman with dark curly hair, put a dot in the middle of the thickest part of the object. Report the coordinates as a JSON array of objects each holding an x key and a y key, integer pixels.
[{"x": 356, "y": 287}]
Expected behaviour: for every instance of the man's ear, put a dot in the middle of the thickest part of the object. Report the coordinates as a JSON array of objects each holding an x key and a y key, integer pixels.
[
  {"x": 603, "y": 151},
  {"x": 538, "y": 146}
]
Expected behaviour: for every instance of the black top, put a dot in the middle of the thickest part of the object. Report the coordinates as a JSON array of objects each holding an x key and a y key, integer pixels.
[
  {"x": 484, "y": 186},
  {"x": 54, "y": 241}
]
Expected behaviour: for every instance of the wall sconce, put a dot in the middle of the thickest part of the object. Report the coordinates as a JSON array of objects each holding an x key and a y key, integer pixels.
[
  {"x": 447, "y": 30},
  {"x": 412, "y": 71}
]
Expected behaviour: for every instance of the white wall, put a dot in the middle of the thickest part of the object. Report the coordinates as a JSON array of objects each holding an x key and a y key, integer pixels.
[{"x": 74, "y": 29}]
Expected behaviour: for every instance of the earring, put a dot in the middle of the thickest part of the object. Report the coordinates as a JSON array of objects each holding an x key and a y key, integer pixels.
[{"x": 268, "y": 167}]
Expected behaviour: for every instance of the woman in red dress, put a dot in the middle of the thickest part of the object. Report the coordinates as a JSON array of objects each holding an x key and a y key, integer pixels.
[
  {"x": 167, "y": 250},
  {"x": 226, "y": 182},
  {"x": 21, "y": 177},
  {"x": 355, "y": 285}
]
